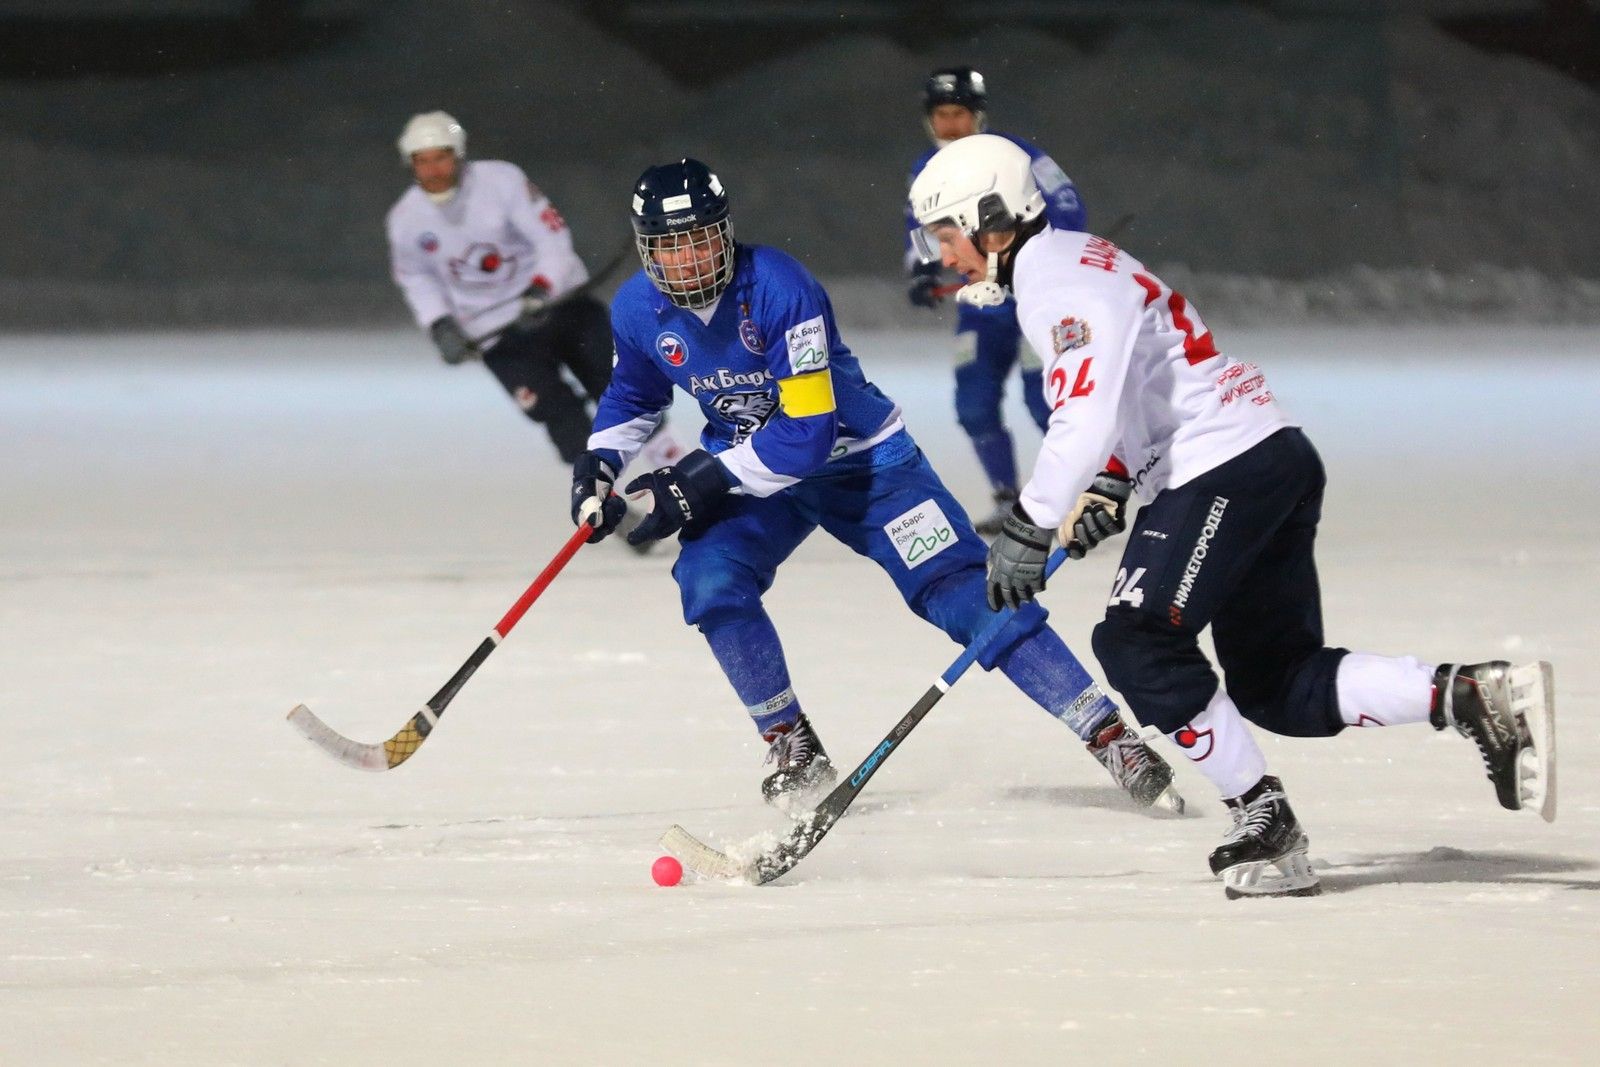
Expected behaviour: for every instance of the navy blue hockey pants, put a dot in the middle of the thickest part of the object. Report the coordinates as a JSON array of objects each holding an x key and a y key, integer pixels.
[{"x": 1232, "y": 550}]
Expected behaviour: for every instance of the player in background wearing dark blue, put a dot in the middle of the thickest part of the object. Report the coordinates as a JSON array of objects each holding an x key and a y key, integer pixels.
[
  {"x": 796, "y": 438},
  {"x": 955, "y": 103}
]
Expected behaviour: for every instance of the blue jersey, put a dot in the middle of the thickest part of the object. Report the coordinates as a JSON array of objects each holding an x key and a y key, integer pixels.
[
  {"x": 1063, "y": 208},
  {"x": 781, "y": 393}
]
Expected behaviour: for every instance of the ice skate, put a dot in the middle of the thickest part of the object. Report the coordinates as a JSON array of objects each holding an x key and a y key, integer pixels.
[
  {"x": 1264, "y": 855},
  {"x": 1510, "y": 714},
  {"x": 990, "y": 525},
  {"x": 804, "y": 769},
  {"x": 1137, "y": 768}
]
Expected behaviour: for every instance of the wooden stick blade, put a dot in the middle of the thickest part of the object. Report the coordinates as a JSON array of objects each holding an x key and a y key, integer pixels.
[{"x": 355, "y": 754}]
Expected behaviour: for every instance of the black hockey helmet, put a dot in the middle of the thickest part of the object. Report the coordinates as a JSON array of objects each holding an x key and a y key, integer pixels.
[
  {"x": 956, "y": 85},
  {"x": 682, "y": 231}
]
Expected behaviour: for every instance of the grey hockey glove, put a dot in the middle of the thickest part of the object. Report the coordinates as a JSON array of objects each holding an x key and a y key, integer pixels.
[
  {"x": 454, "y": 346},
  {"x": 592, "y": 498},
  {"x": 1016, "y": 561},
  {"x": 1101, "y": 513},
  {"x": 679, "y": 495},
  {"x": 535, "y": 302}
]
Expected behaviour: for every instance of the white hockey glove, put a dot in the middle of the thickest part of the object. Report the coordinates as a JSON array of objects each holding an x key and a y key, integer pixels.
[
  {"x": 454, "y": 345},
  {"x": 1101, "y": 513}
]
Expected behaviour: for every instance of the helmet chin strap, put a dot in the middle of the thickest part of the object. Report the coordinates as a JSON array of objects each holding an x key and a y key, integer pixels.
[{"x": 987, "y": 293}]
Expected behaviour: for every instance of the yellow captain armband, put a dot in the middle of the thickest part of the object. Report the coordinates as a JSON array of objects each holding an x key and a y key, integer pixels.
[{"x": 806, "y": 394}]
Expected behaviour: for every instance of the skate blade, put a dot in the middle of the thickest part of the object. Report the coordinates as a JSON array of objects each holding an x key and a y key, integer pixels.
[
  {"x": 1169, "y": 800},
  {"x": 1533, "y": 702},
  {"x": 1290, "y": 876}
]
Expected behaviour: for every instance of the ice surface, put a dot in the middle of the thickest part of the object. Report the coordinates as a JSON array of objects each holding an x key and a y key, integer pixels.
[{"x": 200, "y": 531}]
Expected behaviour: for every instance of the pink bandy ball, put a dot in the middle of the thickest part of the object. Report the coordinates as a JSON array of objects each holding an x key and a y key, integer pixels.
[{"x": 666, "y": 871}]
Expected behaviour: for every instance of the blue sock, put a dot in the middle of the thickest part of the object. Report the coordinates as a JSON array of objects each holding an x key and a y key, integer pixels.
[
  {"x": 1044, "y": 668},
  {"x": 752, "y": 658},
  {"x": 997, "y": 457}
]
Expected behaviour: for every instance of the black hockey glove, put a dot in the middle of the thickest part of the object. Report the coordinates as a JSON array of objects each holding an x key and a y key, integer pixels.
[
  {"x": 678, "y": 495},
  {"x": 592, "y": 498},
  {"x": 1101, "y": 513},
  {"x": 1016, "y": 561},
  {"x": 535, "y": 302},
  {"x": 924, "y": 285},
  {"x": 454, "y": 346}
]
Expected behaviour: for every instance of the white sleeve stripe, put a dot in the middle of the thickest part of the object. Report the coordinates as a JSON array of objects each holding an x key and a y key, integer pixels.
[
  {"x": 627, "y": 437},
  {"x": 756, "y": 478}
]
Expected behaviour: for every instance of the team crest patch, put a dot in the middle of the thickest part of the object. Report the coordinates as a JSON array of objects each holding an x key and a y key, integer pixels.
[
  {"x": 672, "y": 348},
  {"x": 920, "y": 534},
  {"x": 428, "y": 242},
  {"x": 1070, "y": 333},
  {"x": 750, "y": 335}
]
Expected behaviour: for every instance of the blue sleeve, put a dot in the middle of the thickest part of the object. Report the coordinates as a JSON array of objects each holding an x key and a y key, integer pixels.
[
  {"x": 635, "y": 401},
  {"x": 797, "y": 325},
  {"x": 1063, "y": 207}
]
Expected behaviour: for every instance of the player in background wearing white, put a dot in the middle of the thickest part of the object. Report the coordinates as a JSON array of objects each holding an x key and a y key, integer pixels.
[
  {"x": 487, "y": 266},
  {"x": 1232, "y": 493},
  {"x": 955, "y": 103}
]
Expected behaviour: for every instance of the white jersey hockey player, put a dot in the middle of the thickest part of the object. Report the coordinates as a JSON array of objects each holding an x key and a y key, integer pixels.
[
  {"x": 486, "y": 264},
  {"x": 1233, "y": 494}
]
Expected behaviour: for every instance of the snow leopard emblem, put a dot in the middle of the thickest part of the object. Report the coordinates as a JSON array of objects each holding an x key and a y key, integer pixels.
[{"x": 747, "y": 411}]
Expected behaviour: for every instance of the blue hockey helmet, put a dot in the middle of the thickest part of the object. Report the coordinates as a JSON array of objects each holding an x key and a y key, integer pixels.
[
  {"x": 956, "y": 85},
  {"x": 682, "y": 232}
]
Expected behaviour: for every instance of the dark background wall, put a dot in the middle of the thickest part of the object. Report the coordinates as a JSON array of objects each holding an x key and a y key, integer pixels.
[{"x": 213, "y": 161}]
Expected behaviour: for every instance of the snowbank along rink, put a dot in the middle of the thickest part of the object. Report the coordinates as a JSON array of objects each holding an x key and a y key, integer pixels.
[{"x": 202, "y": 530}]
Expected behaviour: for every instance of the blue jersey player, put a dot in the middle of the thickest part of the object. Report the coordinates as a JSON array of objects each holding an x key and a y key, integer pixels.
[
  {"x": 796, "y": 438},
  {"x": 988, "y": 341}
]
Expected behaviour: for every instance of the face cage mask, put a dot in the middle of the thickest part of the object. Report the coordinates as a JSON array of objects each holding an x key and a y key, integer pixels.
[{"x": 711, "y": 244}]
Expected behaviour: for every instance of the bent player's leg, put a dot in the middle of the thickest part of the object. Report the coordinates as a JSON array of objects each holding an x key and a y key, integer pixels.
[
  {"x": 578, "y": 332},
  {"x": 534, "y": 381},
  {"x": 986, "y": 349},
  {"x": 917, "y": 533},
  {"x": 722, "y": 572}
]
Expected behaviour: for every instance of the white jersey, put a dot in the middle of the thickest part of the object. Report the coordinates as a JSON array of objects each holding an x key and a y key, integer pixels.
[
  {"x": 1131, "y": 371},
  {"x": 475, "y": 254}
]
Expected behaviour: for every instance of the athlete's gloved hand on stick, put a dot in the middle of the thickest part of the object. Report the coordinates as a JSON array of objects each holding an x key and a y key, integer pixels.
[
  {"x": 454, "y": 345},
  {"x": 535, "y": 302},
  {"x": 592, "y": 498},
  {"x": 924, "y": 285},
  {"x": 1101, "y": 513},
  {"x": 678, "y": 495},
  {"x": 1017, "y": 561}
]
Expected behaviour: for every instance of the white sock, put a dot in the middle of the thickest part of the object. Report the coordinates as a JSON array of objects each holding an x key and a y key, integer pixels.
[
  {"x": 1218, "y": 742},
  {"x": 1384, "y": 690}
]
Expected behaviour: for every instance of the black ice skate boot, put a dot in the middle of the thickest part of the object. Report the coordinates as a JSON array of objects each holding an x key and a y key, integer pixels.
[
  {"x": 991, "y": 524},
  {"x": 803, "y": 765},
  {"x": 1509, "y": 713},
  {"x": 1264, "y": 855},
  {"x": 1135, "y": 766}
]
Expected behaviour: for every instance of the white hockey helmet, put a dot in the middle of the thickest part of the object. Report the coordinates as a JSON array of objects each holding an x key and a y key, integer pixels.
[
  {"x": 979, "y": 184},
  {"x": 432, "y": 129}
]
